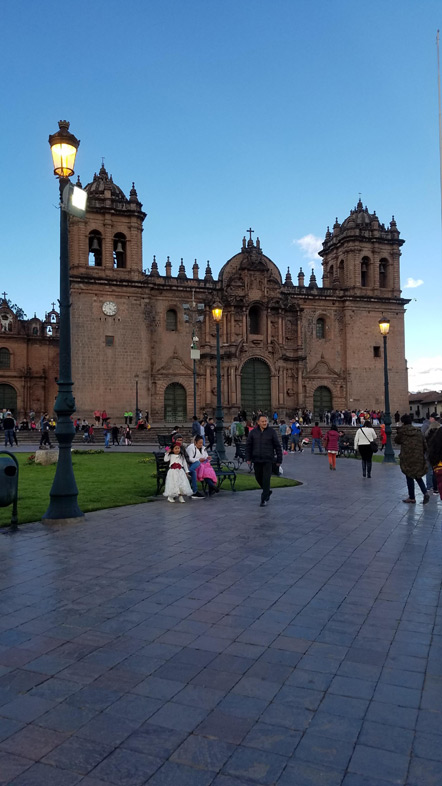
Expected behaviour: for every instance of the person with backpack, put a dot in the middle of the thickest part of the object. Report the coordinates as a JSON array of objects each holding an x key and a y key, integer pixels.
[
  {"x": 295, "y": 435},
  {"x": 239, "y": 430}
]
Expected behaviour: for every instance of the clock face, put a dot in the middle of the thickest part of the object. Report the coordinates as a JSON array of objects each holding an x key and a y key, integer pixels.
[{"x": 109, "y": 308}]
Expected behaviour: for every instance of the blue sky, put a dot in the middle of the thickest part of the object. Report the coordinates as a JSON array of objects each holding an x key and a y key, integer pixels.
[{"x": 227, "y": 114}]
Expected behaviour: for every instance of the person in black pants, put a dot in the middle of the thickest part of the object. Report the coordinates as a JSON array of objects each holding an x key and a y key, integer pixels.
[{"x": 262, "y": 446}]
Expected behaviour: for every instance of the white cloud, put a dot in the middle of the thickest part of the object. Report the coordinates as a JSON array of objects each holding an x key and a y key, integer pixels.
[
  {"x": 412, "y": 283},
  {"x": 310, "y": 245},
  {"x": 425, "y": 373}
]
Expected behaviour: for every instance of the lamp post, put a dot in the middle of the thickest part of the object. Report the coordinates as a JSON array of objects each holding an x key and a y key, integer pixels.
[
  {"x": 63, "y": 503},
  {"x": 194, "y": 355},
  {"x": 389, "y": 457},
  {"x": 136, "y": 399},
  {"x": 217, "y": 314}
]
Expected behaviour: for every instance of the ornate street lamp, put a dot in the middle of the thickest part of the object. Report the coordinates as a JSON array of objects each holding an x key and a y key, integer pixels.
[
  {"x": 63, "y": 503},
  {"x": 217, "y": 314},
  {"x": 389, "y": 457}
]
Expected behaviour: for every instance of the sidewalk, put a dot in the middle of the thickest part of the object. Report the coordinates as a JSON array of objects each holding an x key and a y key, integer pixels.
[{"x": 222, "y": 643}]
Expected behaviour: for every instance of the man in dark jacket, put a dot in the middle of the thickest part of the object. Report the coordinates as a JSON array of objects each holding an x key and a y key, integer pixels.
[{"x": 261, "y": 447}]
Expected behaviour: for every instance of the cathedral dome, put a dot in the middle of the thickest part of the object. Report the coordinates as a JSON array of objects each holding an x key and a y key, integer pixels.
[
  {"x": 102, "y": 183},
  {"x": 359, "y": 217},
  {"x": 104, "y": 194}
]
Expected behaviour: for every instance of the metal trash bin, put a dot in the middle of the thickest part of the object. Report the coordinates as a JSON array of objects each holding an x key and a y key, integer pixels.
[{"x": 9, "y": 483}]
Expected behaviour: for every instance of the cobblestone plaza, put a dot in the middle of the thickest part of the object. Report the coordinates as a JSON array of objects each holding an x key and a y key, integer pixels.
[{"x": 220, "y": 643}]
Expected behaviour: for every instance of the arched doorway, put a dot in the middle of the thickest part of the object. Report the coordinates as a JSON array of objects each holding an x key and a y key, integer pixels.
[
  {"x": 322, "y": 400},
  {"x": 255, "y": 386},
  {"x": 175, "y": 403},
  {"x": 8, "y": 398}
]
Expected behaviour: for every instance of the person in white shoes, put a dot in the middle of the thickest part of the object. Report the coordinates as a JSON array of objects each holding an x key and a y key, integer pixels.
[
  {"x": 365, "y": 435},
  {"x": 177, "y": 485}
]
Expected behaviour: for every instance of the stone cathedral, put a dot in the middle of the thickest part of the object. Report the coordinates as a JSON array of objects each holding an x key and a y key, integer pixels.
[{"x": 285, "y": 344}]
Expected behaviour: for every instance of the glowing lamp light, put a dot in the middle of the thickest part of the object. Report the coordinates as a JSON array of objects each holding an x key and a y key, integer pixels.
[
  {"x": 384, "y": 326},
  {"x": 217, "y": 313},
  {"x": 64, "y": 146}
]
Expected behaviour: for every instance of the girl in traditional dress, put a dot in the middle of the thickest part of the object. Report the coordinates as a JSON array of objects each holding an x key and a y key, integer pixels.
[{"x": 177, "y": 483}]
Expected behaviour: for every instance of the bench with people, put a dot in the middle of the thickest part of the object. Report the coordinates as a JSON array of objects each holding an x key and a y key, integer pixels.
[{"x": 197, "y": 465}]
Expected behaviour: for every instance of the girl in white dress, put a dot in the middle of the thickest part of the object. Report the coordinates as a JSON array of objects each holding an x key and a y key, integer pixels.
[{"x": 177, "y": 483}]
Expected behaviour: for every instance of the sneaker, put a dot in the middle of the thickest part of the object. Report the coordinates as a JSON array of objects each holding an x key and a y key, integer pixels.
[
  {"x": 426, "y": 498},
  {"x": 262, "y": 504},
  {"x": 170, "y": 499},
  {"x": 181, "y": 499},
  {"x": 198, "y": 495},
  {"x": 409, "y": 501},
  {"x": 435, "y": 492}
]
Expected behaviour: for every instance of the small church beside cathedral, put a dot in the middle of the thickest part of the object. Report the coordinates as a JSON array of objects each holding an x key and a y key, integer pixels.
[{"x": 285, "y": 344}]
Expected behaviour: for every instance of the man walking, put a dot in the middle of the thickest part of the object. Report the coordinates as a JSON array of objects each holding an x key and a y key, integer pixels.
[
  {"x": 45, "y": 439},
  {"x": 9, "y": 426},
  {"x": 317, "y": 435},
  {"x": 261, "y": 447}
]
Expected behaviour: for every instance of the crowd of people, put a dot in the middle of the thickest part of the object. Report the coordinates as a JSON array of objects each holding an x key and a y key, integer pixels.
[{"x": 420, "y": 449}]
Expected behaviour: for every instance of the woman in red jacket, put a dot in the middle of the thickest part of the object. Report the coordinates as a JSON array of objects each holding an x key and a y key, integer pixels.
[{"x": 332, "y": 445}]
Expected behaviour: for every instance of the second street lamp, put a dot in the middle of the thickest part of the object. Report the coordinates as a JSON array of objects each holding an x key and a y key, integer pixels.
[
  {"x": 389, "y": 457},
  {"x": 64, "y": 492},
  {"x": 217, "y": 314}
]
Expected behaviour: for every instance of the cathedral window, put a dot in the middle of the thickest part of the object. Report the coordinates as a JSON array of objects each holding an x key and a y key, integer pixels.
[
  {"x": 35, "y": 331},
  {"x": 49, "y": 331},
  {"x": 5, "y": 358},
  {"x": 109, "y": 341},
  {"x": 95, "y": 249},
  {"x": 330, "y": 275},
  {"x": 376, "y": 352},
  {"x": 342, "y": 273},
  {"x": 119, "y": 250},
  {"x": 255, "y": 321},
  {"x": 171, "y": 320},
  {"x": 364, "y": 271},
  {"x": 53, "y": 317},
  {"x": 383, "y": 273},
  {"x": 320, "y": 328}
]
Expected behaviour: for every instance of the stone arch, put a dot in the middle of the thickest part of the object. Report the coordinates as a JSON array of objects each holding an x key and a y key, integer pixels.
[
  {"x": 256, "y": 389},
  {"x": 119, "y": 243},
  {"x": 95, "y": 247},
  {"x": 8, "y": 398},
  {"x": 322, "y": 400},
  {"x": 384, "y": 273},
  {"x": 175, "y": 403},
  {"x": 366, "y": 277}
]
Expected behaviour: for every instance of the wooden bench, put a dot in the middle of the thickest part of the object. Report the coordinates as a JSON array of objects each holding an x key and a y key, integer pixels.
[
  {"x": 224, "y": 470},
  {"x": 160, "y": 471},
  {"x": 164, "y": 440}
]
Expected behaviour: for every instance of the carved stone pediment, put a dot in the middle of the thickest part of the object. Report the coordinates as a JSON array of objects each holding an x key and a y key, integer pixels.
[
  {"x": 321, "y": 369},
  {"x": 174, "y": 366}
]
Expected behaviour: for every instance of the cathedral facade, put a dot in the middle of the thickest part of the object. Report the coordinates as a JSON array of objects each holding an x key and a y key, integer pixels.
[{"x": 285, "y": 344}]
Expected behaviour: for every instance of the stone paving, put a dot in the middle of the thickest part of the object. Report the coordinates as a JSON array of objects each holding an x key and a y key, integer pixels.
[{"x": 222, "y": 643}]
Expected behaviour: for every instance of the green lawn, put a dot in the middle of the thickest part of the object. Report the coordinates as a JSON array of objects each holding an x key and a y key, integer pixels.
[{"x": 104, "y": 480}]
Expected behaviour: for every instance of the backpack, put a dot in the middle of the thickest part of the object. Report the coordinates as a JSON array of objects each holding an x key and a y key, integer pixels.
[{"x": 240, "y": 430}]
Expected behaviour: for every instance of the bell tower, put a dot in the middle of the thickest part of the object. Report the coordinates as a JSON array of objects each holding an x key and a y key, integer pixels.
[
  {"x": 361, "y": 255},
  {"x": 107, "y": 243}
]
